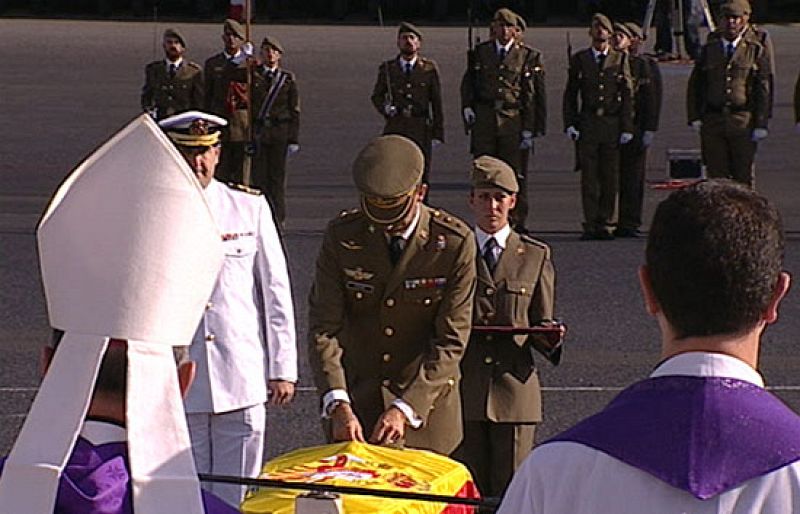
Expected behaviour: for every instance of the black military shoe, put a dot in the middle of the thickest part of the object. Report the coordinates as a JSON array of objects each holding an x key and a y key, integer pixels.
[{"x": 627, "y": 232}]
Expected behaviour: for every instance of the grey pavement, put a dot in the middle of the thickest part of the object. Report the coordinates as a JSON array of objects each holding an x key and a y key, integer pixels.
[{"x": 65, "y": 86}]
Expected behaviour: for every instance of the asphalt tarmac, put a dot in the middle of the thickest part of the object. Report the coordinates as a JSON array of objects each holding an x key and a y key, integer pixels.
[{"x": 66, "y": 86}]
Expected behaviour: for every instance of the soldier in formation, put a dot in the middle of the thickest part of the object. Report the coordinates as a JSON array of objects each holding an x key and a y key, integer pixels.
[
  {"x": 598, "y": 109},
  {"x": 174, "y": 84},
  {"x": 408, "y": 95}
]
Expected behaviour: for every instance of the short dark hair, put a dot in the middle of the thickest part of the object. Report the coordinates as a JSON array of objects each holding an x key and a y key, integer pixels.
[
  {"x": 714, "y": 256},
  {"x": 112, "y": 377}
]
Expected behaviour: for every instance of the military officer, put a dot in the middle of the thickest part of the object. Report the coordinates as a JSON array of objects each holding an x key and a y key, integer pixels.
[
  {"x": 516, "y": 284},
  {"x": 646, "y": 90},
  {"x": 227, "y": 98},
  {"x": 728, "y": 97},
  {"x": 174, "y": 84},
  {"x": 245, "y": 346},
  {"x": 598, "y": 114},
  {"x": 408, "y": 95},
  {"x": 276, "y": 118},
  {"x": 502, "y": 94},
  {"x": 391, "y": 308}
]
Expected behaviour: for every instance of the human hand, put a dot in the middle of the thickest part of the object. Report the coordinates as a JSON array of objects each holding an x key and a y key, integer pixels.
[
  {"x": 573, "y": 133},
  {"x": 759, "y": 134},
  {"x": 696, "y": 125},
  {"x": 625, "y": 138},
  {"x": 292, "y": 149},
  {"x": 345, "y": 425},
  {"x": 390, "y": 428},
  {"x": 280, "y": 392},
  {"x": 469, "y": 115},
  {"x": 647, "y": 138}
]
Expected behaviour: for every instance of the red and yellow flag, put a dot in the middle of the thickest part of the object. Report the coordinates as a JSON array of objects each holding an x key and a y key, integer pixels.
[{"x": 364, "y": 465}]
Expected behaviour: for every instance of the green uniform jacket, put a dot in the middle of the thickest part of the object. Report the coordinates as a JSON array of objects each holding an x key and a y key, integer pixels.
[
  {"x": 595, "y": 94},
  {"x": 382, "y": 332},
  {"x": 647, "y": 91},
  {"x": 285, "y": 109},
  {"x": 500, "y": 380},
  {"x": 169, "y": 96},
  {"x": 739, "y": 86},
  {"x": 417, "y": 97},
  {"x": 219, "y": 72},
  {"x": 508, "y": 95}
]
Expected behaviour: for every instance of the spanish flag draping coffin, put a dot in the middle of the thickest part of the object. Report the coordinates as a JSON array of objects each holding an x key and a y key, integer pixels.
[{"x": 364, "y": 465}]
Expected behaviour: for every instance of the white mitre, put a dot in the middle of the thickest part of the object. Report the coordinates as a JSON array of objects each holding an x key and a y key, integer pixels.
[{"x": 128, "y": 250}]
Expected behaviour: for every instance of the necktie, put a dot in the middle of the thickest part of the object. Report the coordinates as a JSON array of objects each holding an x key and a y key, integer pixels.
[
  {"x": 408, "y": 68},
  {"x": 268, "y": 74},
  {"x": 729, "y": 50},
  {"x": 502, "y": 53},
  {"x": 489, "y": 254},
  {"x": 601, "y": 58},
  {"x": 396, "y": 246},
  {"x": 173, "y": 69}
]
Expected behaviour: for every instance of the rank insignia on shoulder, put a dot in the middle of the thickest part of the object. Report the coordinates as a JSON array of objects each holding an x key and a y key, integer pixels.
[
  {"x": 441, "y": 243},
  {"x": 425, "y": 283},
  {"x": 520, "y": 250},
  {"x": 358, "y": 274},
  {"x": 243, "y": 188},
  {"x": 351, "y": 245}
]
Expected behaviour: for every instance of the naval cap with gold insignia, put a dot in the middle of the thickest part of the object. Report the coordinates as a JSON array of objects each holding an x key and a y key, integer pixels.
[
  {"x": 193, "y": 128},
  {"x": 406, "y": 27},
  {"x": 118, "y": 247},
  {"x": 490, "y": 171},
  {"x": 603, "y": 21},
  {"x": 386, "y": 172},
  {"x": 173, "y": 33}
]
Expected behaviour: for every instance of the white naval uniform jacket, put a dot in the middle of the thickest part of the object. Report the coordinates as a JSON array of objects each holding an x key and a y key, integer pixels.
[{"x": 250, "y": 310}]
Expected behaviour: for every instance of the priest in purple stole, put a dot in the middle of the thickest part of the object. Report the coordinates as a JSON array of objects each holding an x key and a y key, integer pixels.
[{"x": 701, "y": 435}]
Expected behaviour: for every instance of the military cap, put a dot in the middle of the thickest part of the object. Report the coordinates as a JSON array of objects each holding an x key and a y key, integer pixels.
[
  {"x": 622, "y": 29},
  {"x": 490, "y": 171},
  {"x": 234, "y": 27},
  {"x": 603, "y": 21},
  {"x": 386, "y": 172},
  {"x": 521, "y": 25},
  {"x": 507, "y": 16},
  {"x": 273, "y": 42},
  {"x": 634, "y": 29},
  {"x": 173, "y": 33},
  {"x": 735, "y": 8},
  {"x": 406, "y": 27},
  {"x": 193, "y": 128}
]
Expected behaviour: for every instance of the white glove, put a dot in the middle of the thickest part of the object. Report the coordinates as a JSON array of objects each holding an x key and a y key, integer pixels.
[
  {"x": 292, "y": 149},
  {"x": 625, "y": 138},
  {"x": 647, "y": 138},
  {"x": 153, "y": 113},
  {"x": 469, "y": 115},
  {"x": 527, "y": 140},
  {"x": 696, "y": 125},
  {"x": 246, "y": 51},
  {"x": 573, "y": 133},
  {"x": 759, "y": 134},
  {"x": 436, "y": 142},
  {"x": 390, "y": 110}
]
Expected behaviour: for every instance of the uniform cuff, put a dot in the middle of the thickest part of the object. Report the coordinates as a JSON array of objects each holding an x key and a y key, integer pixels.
[
  {"x": 411, "y": 416},
  {"x": 334, "y": 395}
]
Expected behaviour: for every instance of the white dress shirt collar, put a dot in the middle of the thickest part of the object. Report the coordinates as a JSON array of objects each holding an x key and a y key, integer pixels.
[
  {"x": 596, "y": 53},
  {"x": 501, "y": 236},
  {"x": 705, "y": 364},
  {"x": 101, "y": 432},
  {"x": 229, "y": 56},
  {"x": 506, "y": 47},
  {"x": 402, "y": 61},
  {"x": 735, "y": 42},
  {"x": 176, "y": 62}
]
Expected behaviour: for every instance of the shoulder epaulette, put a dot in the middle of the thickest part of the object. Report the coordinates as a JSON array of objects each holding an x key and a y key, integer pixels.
[
  {"x": 243, "y": 188},
  {"x": 533, "y": 241},
  {"x": 347, "y": 215},
  {"x": 192, "y": 64},
  {"x": 451, "y": 222}
]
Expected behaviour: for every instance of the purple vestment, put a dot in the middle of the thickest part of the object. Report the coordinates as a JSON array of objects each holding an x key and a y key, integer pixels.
[
  {"x": 704, "y": 435},
  {"x": 97, "y": 481}
]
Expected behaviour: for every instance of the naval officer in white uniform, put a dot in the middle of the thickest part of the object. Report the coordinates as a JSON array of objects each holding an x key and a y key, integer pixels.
[{"x": 245, "y": 345}]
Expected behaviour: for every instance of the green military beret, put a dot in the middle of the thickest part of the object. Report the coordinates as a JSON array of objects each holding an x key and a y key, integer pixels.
[
  {"x": 622, "y": 29},
  {"x": 521, "y": 25},
  {"x": 603, "y": 21},
  {"x": 406, "y": 27},
  {"x": 506, "y": 16},
  {"x": 492, "y": 172},
  {"x": 234, "y": 27},
  {"x": 386, "y": 173},
  {"x": 173, "y": 33},
  {"x": 736, "y": 8},
  {"x": 273, "y": 42},
  {"x": 635, "y": 29}
]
